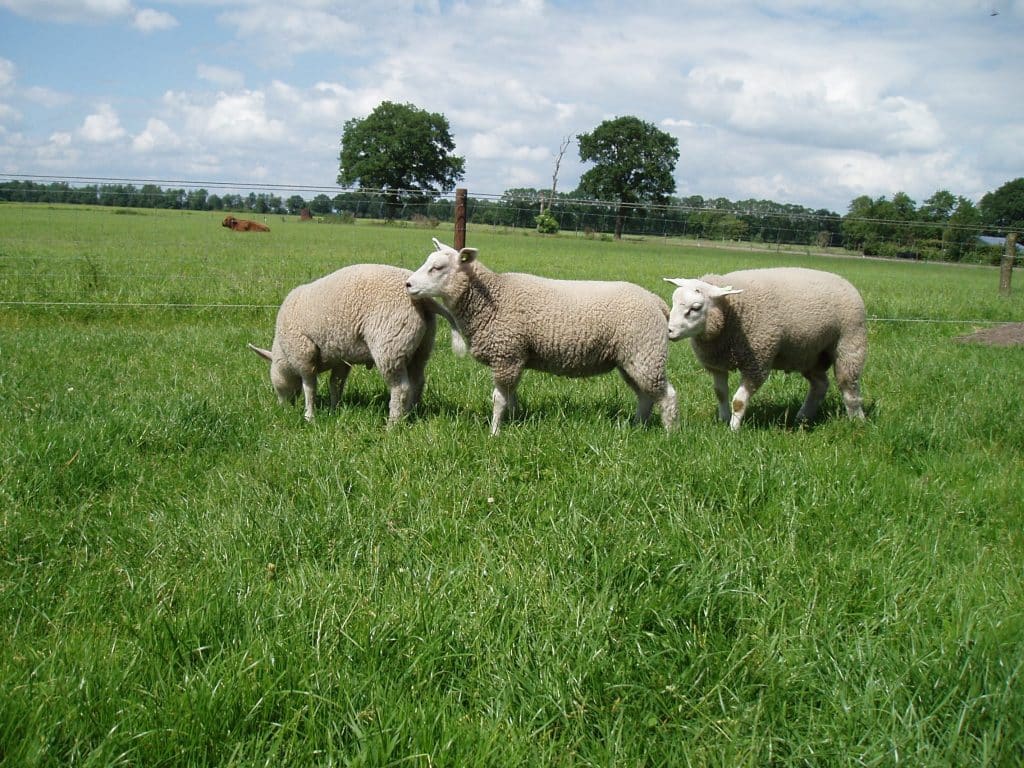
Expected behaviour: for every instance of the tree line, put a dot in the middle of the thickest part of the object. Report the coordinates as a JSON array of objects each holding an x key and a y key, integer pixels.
[{"x": 943, "y": 227}]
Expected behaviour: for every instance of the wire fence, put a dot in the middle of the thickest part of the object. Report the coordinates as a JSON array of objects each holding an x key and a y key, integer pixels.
[
  {"x": 949, "y": 234},
  {"x": 757, "y": 225}
]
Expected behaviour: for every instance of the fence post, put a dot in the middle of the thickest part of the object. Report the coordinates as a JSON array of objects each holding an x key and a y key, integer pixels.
[
  {"x": 1006, "y": 266},
  {"x": 460, "y": 218}
]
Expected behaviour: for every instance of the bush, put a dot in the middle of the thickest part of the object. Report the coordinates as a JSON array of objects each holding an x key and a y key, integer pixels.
[{"x": 546, "y": 223}]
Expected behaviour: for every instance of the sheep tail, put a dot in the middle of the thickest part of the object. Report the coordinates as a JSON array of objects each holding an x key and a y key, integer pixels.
[{"x": 265, "y": 354}]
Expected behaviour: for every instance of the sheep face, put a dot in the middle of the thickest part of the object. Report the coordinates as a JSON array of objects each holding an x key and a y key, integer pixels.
[
  {"x": 435, "y": 279},
  {"x": 691, "y": 302}
]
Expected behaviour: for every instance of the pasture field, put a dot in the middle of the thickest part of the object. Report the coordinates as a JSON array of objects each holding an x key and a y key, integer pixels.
[{"x": 192, "y": 575}]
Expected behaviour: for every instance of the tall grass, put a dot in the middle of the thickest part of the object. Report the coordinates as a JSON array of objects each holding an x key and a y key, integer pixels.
[{"x": 193, "y": 575}]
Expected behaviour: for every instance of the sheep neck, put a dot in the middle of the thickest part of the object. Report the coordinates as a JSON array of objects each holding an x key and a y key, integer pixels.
[{"x": 474, "y": 304}]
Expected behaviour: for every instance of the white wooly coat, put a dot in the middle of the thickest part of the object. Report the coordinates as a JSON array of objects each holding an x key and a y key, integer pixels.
[
  {"x": 515, "y": 321},
  {"x": 760, "y": 320},
  {"x": 359, "y": 315}
]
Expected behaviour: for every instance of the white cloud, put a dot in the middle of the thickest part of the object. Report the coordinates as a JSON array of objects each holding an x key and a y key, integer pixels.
[
  {"x": 149, "y": 20},
  {"x": 226, "y": 78},
  {"x": 283, "y": 31},
  {"x": 45, "y": 97},
  {"x": 70, "y": 11},
  {"x": 236, "y": 118},
  {"x": 8, "y": 73},
  {"x": 157, "y": 136},
  {"x": 103, "y": 126}
]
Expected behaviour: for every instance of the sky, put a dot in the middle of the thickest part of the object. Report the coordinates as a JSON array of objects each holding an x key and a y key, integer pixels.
[{"x": 802, "y": 102}]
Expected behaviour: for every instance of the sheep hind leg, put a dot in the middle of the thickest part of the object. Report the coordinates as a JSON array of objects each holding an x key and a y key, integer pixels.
[
  {"x": 669, "y": 408},
  {"x": 644, "y": 400},
  {"x": 339, "y": 375},
  {"x": 398, "y": 383},
  {"x": 818, "y": 381}
]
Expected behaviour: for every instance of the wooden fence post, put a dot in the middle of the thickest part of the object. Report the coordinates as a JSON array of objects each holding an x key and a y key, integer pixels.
[
  {"x": 1006, "y": 266},
  {"x": 460, "y": 218}
]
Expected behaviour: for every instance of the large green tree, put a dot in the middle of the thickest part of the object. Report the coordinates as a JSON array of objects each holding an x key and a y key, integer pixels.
[
  {"x": 633, "y": 163},
  {"x": 1004, "y": 208},
  {"x": 401, "y": 149}
]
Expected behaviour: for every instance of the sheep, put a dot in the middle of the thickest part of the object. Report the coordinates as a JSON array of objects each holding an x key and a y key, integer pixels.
[
  {"x": 358, "y": 315},
  {"x": 760, "y": 320},
  {"x": 515, "y": 321}
]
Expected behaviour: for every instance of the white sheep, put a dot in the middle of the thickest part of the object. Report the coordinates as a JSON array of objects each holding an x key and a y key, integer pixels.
[
  {"x": 517, "y": 321},
  {"x": 759, "y": 320},
  {"x": 358, "y": 315}
]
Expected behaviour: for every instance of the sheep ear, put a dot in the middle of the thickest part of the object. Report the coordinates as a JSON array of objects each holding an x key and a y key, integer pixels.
[
  {"x": 467, "y": 255},
  {"x": 438, "y": 245},
  {"x": 715, "y": 291},
  {"x": 676, "y": 281}
]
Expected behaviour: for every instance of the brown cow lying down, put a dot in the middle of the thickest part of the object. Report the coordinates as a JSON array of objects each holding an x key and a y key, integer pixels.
[{"x": 244, "y": 225}]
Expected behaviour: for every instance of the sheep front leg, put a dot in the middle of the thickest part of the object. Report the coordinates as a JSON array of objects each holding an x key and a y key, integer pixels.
[
  {"x": 504, "y": 395},
  {"x": 720, "y": 381},
  {"x": 739, "y": 402},
  {"x": 309, "y": 393}
]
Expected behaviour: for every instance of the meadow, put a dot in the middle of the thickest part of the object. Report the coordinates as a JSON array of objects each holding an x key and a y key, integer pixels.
[{"x": 192, "y": 575}]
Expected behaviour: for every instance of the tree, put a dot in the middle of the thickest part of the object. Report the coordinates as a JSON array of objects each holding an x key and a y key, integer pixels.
[
  {"x": 399, "y": 148},
  {"x": 295, "y": 204},
  {"x": 634, "y": 162},
  {"x": 321, "y": 205},
  {"x": 1004, "y": 208}
]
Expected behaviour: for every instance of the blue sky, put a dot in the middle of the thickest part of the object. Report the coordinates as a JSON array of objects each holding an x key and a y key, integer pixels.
[{"x": 812, "y": 103}]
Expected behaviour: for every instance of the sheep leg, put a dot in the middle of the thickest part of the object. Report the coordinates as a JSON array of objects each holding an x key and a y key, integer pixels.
[
  {"x": 815, "y": 394},
  {"x": 504, "y": 395},
  {"x": 398, "y": 383},
  {"x": 669, "y": 408},
  {"x": 339, "y": 375},
  {"x": 644, "y": 400},
  {"x": 739, "y": 402},
  {"x": 721, "y": 384},
  {"x": 847, "y": 370},
  {"x": 309, "y": 393}
]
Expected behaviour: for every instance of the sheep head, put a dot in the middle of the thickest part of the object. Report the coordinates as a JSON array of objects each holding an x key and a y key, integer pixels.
[
  {"x": 692, "y": 301},
  {"x": 440, "y": 274}
]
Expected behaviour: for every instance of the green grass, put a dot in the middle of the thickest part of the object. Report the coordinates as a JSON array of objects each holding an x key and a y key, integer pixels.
[{"x": 191, "y": 575}]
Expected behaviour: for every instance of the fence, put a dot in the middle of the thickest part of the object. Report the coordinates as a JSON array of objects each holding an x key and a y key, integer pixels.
[{"x": 753, "y": 224}]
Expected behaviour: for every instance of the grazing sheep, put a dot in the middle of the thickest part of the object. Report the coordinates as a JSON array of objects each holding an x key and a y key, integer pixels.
[
  {"x": 359, "y": 315},
  {"x": 567, "y": 327},
  {"x": 785, "y": 319},
  {"x": 244, "y": 225}
]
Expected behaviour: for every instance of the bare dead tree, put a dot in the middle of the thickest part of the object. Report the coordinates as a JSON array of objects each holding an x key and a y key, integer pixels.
[{"x": 566, "y": 141}]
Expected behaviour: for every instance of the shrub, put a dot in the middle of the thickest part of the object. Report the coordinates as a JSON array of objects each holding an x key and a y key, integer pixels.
[{"x": 546, "y": 223}]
